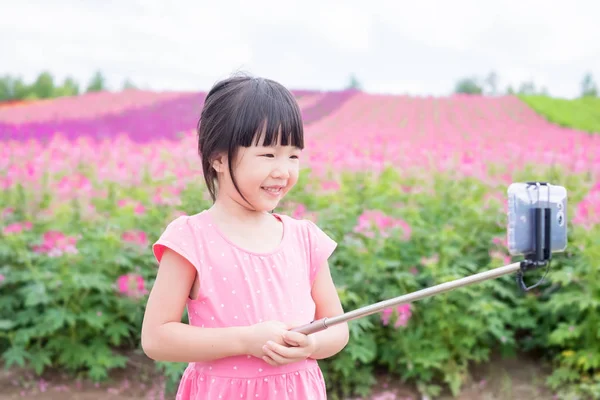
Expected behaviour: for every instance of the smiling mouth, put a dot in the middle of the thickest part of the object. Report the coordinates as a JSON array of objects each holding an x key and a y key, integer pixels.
[{"x": 272, "y": 189}]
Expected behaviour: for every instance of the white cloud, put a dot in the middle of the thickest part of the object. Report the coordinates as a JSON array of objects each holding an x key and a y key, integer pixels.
[{"x": 393, "y": 46}]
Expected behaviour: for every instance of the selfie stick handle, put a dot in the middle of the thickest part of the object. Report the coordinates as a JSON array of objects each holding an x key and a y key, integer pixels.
[{"x": 327, "y": 322}]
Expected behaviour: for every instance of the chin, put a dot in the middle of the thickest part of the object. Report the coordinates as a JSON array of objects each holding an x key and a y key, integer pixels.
[
  {"x": 268, "y": 207},
  {"x": 260, "y": 205}
]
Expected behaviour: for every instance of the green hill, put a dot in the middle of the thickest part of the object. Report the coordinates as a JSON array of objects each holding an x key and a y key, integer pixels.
[{"x": 582, "y": 113}]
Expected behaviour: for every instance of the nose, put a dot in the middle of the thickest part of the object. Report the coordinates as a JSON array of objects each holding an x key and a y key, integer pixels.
[{"x": 281, "y": 171}]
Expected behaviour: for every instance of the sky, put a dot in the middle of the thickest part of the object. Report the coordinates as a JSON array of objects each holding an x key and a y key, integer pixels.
[{"x": 392, "y": 46}]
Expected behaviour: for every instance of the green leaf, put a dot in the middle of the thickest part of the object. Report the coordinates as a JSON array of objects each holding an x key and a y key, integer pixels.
[
  {"x": 15, "y": 355},
  {"x": 7, "y": 324},
  {"x": 40, "y": 360},
  {"x": 116, "y": 332},
  {"x": 94, "y": 319},
  {"x": 55, "y": 319},
  {"x": 365, "y": 350},
  {"x": 36, "y": 294}
]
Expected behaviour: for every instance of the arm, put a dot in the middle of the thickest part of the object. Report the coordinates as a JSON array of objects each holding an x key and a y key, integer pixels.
[
  {"x": 165, "y": 337},
  {"x": 331, "y": 340}
]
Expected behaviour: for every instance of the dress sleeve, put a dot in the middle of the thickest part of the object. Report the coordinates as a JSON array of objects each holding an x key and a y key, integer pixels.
[
  {"x": 179, "y": 237},
  {"x": 321, "y": 248}
]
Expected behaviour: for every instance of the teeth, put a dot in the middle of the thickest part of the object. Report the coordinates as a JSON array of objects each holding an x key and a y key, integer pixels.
[{"x": 272, "y": 190}]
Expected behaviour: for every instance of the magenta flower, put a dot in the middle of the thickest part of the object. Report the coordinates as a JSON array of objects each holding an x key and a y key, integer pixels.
[
  {"x": 136, "y": 237},
  {"x": 587, "y": 213},
  {"x": 56, "y": 243},
  {"x": 131, "y": 285},
  {"x": 372, "y": 221},
  {"x": 404, "y": 312},
  {"x": 16, "y": 228}
]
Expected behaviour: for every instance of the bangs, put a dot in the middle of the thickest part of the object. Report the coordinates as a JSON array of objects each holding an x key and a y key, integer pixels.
[{"x": 267, "y": 114}]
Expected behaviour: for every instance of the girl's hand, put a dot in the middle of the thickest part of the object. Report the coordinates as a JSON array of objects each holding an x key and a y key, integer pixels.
[
  {"x": 299, "y": 347},
  {"x": 258, "y": 334}
]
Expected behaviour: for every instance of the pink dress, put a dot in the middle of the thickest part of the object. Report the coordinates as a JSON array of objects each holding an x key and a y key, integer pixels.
[{"x": 240, "y": 287}]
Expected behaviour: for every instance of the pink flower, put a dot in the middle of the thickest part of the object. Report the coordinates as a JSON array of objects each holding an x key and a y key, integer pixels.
[
  {"x": 404, "y": 312},
  {"x": 500, "y": 241},
  {"x": 384, "y": 224},
  {"x": 138, "y": 208},
  {"x": 587, "y": 213},
  {"x": 500, "y": 256},
  {"x": 299, "y": 212},
  {"x": 131, "y": 285},
  {"x": 426, "y": 261},
  {"x": 166, "y": 196},
  {"x": 56, "y": 243},
  {"x": 136, "y": 237},
  {"x": 17, "y": 227},
  {"x": 330, "y": 185}
]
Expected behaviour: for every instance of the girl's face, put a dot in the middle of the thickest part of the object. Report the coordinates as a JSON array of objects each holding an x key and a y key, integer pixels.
[{"x": 264, "y": 175}]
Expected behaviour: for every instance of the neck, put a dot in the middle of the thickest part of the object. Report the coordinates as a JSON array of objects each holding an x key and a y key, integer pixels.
[{"x": 227, "y": 209}]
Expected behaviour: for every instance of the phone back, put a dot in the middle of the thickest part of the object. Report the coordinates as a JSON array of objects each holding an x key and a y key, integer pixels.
[{"x": 522, "y": 201}]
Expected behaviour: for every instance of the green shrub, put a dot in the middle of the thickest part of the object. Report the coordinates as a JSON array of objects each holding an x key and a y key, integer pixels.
[{"x": 69, "y": 310}]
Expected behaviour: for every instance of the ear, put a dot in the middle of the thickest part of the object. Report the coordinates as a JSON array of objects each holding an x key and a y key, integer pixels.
[{"x": 219, "y": 163}]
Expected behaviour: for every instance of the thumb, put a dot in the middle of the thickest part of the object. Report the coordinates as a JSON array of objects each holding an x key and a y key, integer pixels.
[
  {"x": 296, "y": 338},
  {"x": 290, "y": 340}
]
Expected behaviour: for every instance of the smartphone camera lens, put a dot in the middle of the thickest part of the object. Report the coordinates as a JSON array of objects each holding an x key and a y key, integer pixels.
[{"x": 560, "y": 218}]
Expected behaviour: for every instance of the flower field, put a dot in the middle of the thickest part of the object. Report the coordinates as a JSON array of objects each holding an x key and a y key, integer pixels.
[{"x": 413, "y": 189}]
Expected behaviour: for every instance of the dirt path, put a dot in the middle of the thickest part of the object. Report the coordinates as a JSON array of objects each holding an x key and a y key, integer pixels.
[{"x": 499, "y": 380}]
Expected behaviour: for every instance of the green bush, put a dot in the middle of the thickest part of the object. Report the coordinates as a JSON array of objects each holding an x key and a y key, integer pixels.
[
  {"x": 582, "y": 113},
  {"x": 80, "y": 308}
]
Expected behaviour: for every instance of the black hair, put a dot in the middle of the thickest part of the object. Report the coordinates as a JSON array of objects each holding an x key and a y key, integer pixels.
[{"x": 234, "y": 114}]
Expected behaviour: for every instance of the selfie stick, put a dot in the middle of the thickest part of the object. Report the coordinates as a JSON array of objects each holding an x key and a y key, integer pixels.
[{"x": 540, "y": 257}]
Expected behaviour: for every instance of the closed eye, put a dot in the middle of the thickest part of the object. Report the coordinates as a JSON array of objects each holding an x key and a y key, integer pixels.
[{"x": 268, "y": 155}]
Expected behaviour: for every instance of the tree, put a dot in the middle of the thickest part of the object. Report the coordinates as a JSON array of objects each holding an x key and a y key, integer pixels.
[
  {"x": 492, "y": 82},
  {"x": 468, "y": 86},
  {"x": 97, "y": 83},
  {"x": 128, "y": 84},
  {"x": 527, "y": 88},
  {"x": 43, "y": 87},
  {"x": 588, "y": 86},
  {"x": 68, "y": 88},
  {"x": 13, "y": 88},
  {"x": 7, "y": 88},
  {"x": 354, "y": 83}
]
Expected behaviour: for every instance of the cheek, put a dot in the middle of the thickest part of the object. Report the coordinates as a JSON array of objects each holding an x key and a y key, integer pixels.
[{"x": 294, "y": 173}]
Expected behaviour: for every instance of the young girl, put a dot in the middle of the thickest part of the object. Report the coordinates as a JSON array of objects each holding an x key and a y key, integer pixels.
[{"x": 246, "y": 274}]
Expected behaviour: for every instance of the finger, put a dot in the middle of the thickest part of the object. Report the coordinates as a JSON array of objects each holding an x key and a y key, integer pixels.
[
  {"x": 290, "y": 342},
  {"x": 296, "y": 353},
  {"x": 275, "y": 357},
  {"x": 295, "y": 337},
  {"x": 269, "y": 361}
]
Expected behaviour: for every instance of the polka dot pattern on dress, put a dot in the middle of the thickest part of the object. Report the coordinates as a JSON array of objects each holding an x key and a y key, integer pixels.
[{"x": 240, "y": 288}]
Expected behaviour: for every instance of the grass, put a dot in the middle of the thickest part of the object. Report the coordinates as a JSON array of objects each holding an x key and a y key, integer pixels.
[{"x": 582, "y": 113}]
